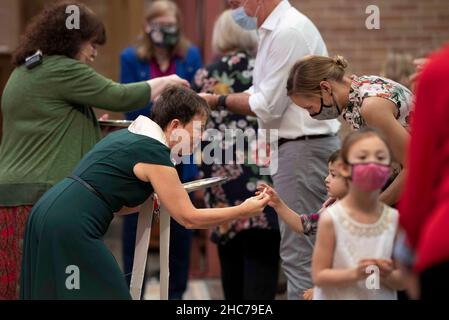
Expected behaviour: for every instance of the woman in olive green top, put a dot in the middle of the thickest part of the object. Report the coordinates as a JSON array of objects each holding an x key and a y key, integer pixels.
[
  {"x": 66, "y": 226},
  {"x": 48, "y": 120}
]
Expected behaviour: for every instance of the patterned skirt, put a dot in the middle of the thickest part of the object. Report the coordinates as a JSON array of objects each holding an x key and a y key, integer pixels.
[{"x": 12, "y": 227}]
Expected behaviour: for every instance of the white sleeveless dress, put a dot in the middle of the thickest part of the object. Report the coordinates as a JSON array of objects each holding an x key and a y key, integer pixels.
[{"x": 356, "y": 241}]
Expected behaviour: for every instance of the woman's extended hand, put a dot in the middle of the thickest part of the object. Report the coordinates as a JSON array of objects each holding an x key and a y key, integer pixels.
[
  {"x": 158, "y": 85},
  {"x": 255, "y": 205},
  {"x": 175, "y": 80}
]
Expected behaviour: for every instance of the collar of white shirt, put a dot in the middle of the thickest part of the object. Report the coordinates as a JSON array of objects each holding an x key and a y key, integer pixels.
[
  {"x": 147, "y": 127},
  {"x": 272, "y": 20}
]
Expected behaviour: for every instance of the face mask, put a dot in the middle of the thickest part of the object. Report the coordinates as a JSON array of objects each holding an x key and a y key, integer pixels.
[
  {"x": 370, "y": 176},
  {"x": 164, "y": 37},
  {"x": 327, "y": 112},
  {"x": 243, "y": 20}
]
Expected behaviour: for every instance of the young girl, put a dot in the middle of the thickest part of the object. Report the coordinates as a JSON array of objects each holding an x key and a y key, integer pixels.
[
  {"x": 336, "y": 186},
  {"x": 356, "y": 235}
]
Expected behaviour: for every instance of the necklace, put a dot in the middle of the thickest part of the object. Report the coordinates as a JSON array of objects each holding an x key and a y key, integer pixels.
[{"x": 365, "y": 229}]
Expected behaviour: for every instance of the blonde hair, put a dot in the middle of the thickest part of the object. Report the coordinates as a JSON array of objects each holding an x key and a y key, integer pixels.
[
  {"x": 228, "y": 36},
  {"x": 145, "y": 49},
  {"x": 398, "y": 67},
  {"x": 306, "y": 75}
]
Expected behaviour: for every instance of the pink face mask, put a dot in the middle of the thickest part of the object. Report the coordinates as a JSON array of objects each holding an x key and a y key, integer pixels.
[{"x": 370, "y": 176}]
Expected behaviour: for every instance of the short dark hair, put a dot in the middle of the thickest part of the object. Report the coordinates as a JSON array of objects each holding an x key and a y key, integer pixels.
[
  {"x": 178, "y": 103},
  {"x": 334, "y": 157},
  {"x": 48, "y": 32}
]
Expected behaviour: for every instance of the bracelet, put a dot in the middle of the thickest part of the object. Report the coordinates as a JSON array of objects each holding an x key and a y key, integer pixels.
[{"x": 221, "y": 104}]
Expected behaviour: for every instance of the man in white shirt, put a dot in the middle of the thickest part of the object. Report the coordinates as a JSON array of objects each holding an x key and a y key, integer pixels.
[{"x": 285, "y": 36}]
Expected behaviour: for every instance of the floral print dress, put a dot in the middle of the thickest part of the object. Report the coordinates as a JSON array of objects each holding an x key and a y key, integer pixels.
[
  {"x": 375, "y": 86},
  {"x": 232, "y": 73}
]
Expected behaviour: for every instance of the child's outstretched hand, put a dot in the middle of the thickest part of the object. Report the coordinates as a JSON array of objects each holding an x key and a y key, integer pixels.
[
  {"x": 255, "y": 205},
  {"x": 275, "y": 201}
]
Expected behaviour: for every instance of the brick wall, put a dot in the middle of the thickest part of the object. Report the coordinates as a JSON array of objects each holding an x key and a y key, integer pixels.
[
  {"x": 410, "y": 26},
  {"x": 414, "y": 26}
]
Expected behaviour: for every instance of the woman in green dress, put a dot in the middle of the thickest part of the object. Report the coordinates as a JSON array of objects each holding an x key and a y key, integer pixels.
[
  {"x": 65, "y": 228},
  {"x": 48, "y": 119}
]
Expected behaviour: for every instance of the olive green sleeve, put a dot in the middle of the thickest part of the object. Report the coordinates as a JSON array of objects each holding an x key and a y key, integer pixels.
[{"x": 80, "y": 84}]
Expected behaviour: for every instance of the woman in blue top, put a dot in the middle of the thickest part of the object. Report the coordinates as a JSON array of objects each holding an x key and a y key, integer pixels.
[{"x": 162, "y": 50}]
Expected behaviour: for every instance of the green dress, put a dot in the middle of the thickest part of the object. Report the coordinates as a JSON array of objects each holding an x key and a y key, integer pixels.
[{"x": 65, "y": 228}]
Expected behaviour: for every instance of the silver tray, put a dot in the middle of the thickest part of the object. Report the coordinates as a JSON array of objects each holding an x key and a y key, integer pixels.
[
  {"x": 115, "y": 123},
  {"x": 204, "y": 183}
]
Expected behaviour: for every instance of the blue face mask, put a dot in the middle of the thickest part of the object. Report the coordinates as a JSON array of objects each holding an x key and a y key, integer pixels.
[{"x": 244, "y": 21}]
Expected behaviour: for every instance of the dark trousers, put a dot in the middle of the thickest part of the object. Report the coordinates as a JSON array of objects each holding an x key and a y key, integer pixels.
[
  {"x": 179, "y": 257},
  {"x": 250, "y": 265},
  {"x": 435, "y": 282}
]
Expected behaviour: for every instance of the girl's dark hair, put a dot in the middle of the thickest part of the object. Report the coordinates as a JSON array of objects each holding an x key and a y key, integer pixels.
[
  {"x": 48, "y": 32},
  {"x": 356, "y": 136},
  {"x": 178, "y": 103},
  {"x": 334, "y": 157}
]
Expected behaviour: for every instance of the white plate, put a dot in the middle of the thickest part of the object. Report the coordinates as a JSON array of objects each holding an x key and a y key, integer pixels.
[{"x": 204, "y": 183}]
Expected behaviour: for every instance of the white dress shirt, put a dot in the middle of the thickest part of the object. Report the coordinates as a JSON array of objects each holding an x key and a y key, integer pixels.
[{"x": 286, "y": 36}]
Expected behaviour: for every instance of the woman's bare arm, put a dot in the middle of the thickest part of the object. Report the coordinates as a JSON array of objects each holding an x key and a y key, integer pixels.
[
  {"x": 170, "y": 191},
  {"x": 380, "y": 113}
]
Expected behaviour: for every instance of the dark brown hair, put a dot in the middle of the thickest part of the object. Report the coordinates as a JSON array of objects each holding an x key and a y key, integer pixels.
[
  {"x": 306, "y": 75},
  {"x": 356, "y": 136},
  {"x": 178, "y": 103},
  {"x": 145, "y": 49},
  {"x": 334, "y": 157},
  {"x": 48, "y": 32}
]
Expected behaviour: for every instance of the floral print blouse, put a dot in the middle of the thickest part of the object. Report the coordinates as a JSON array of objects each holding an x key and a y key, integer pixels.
[
  {"x": 375, "y": 86},
  {"x": 232, "y": 73}
]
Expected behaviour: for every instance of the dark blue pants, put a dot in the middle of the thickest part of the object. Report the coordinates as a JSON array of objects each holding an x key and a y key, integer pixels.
[
  {"x": 179, "y": 258},
  {"x": 250, "y": 265}
]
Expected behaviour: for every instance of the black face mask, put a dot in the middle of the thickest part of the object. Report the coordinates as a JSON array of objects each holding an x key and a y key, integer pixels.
[
  {"x": 327, "y": 112},
  {"x": 164, "y": 37}
]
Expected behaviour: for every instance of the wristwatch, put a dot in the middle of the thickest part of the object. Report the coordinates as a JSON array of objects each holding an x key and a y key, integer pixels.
[{"x": 221, "y": 104}]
